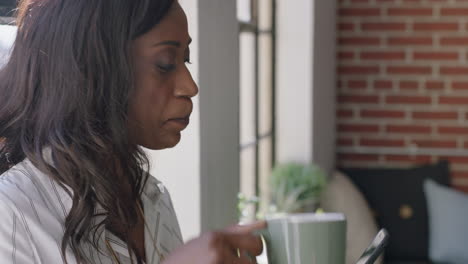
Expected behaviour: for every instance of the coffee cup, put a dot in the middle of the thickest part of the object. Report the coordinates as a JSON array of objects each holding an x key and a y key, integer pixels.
[{"x": 306, "y": 238}]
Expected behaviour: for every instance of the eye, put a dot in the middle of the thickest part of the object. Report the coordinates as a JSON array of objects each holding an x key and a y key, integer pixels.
[
  {"x": 187, "y": 56},
  {"x": 166, "y": 67}
]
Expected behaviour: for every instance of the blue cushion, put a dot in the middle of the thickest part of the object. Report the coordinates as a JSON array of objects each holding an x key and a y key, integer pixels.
[{"x": 448, "y": 217}]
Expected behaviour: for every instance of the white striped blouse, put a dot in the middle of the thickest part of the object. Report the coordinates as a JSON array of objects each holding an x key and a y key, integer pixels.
[{"x": 33, "y": 208}]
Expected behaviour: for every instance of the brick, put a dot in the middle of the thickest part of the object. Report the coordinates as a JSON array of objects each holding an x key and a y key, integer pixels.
[
  {"x": 383, "y": 84},
  {"x": 409, "y": 12},
  {"x": 358, "y": 70},
  {"x": 434, "y": 85},
  {"x": 358, "y": 157},
  {"x": 454, "y": 11},
  {"x": 460, "y": 85},
  {"x": 435, "y": 143},
  {"x": 357, "y": 84},
  {"x": 456, "y": 159},
  {"x": 408, "y": 85},
  {"x": 346, "y": 26},
  {"x": 359, "y": 12},
  {"x": 409, "y": 158},
  {"x": 435, "y": 26},
  {"x": 366, "y": 142},
  {"x": 409, "y": 70},
  {"x": 453, "y": 70},
  {"x": 383, "y": 55},
  {"x": 460, "y": 174},
  {"x": 382, "y": 114},
  {"x": 435, "y": 115},
  {"x": 345, "y": 55},
  {"x": 365, "y": 128},
  {"x": 345, "y": 142},
  {"x": 363, "y": 99},
  {"x": 359, "y": 41},
  {"x": 453, "y": 130},
  {"x": 345, "y": 113},
  {"x": 383, "y": 26},
  {"x": 451, "y": 100},
  {"x": 435, "y": 55},
  {"x": 398, "y": 99},
  {"x": 408, "y": 129},
  {"x": 404, "y": 41},
  {"x": 454, "y": 41}
]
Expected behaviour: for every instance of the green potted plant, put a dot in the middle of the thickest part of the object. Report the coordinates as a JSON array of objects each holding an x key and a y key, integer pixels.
[{"x": 296, "y": 188}]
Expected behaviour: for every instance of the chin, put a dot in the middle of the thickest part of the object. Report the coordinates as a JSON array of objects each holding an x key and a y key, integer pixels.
[{"x": 168, "y": 142}]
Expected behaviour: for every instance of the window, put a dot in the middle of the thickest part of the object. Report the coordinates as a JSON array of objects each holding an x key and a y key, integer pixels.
[
  {"x": 257, "y": 97},
  {"x": 7, "y": 11}
]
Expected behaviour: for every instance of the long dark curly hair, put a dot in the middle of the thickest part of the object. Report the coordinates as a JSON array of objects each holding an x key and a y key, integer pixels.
[{"x": 66, "y": 87}]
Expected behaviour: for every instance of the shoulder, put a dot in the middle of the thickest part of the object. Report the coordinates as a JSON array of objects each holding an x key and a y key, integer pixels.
[
  {"x": 33, "y": 210},
  {"x": 33, "y": 197},
  {"x": 16, "y": 188}
]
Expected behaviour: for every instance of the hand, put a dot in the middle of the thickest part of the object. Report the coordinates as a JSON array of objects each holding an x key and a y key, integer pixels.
[{"x": 221, "y": 247}]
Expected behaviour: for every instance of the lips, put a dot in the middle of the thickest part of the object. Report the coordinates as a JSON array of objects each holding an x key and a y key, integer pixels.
[
  {"x": 184, "y": 120},
  {"x": 179, "y": 123}
]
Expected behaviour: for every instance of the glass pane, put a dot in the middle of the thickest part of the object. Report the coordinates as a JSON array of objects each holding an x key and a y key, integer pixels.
[
  {"x": 247, "y": 181},
  {"x": 265, "y": 165},
  {"x": 265, "y": 118},
  {"x": 247, "y": 88},
  {"x": 244, "y": 10},
  {"x": 265, "y": 9}
]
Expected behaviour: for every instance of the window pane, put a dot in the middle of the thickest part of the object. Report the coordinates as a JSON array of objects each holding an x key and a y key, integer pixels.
[
  {"x": 265, "y": 9},
  {"x": 265, "y": 149},
  {"x": 265, "y": 118},
  {"x": 247, "y": 88},
  {"x": 6, "y": 8},
  {"x": 247, "y": 179},
  {"x": 244, "y": 10}
]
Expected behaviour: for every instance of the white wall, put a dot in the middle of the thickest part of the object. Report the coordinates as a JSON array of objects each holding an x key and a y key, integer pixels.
[{"x": 306, "y": 82}]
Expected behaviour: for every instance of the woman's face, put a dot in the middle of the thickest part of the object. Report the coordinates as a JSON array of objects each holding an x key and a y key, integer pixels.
[{"x": 161, "y": 105}]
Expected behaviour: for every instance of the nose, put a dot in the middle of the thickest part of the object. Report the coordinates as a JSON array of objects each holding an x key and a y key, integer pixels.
[{"x": 186, "y": 86}]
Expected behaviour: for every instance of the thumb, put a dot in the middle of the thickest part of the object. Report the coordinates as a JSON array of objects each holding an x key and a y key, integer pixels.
[{"x": 247, "y": 228}]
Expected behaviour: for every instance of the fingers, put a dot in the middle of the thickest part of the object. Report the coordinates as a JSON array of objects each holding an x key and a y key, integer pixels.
[
  {"x": 240, "y": 236},
  {"x": 246, "y": 243},
  {"x": 245, "y": 257},
  {"x": 232, "y": 256},
  {"x": 248, "y": 228}
]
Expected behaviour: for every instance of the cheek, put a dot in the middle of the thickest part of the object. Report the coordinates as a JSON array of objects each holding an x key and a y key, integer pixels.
[
  {"x": 149, "y": 112},
  {"x": 148, "y": 109}
]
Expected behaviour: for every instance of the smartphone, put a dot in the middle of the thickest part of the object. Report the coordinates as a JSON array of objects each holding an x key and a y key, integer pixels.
[{"x": 375, "y": 249}]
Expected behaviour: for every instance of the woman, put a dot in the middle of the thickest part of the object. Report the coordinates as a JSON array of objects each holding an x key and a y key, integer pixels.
[{"x": 88, "y": 83}]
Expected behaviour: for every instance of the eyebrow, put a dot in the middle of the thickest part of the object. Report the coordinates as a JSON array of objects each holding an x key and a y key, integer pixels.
[{"x": 172, "y": 43}]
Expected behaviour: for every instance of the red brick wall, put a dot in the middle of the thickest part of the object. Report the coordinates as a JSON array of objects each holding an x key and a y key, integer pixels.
[{"x": 403, "y": 81}]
